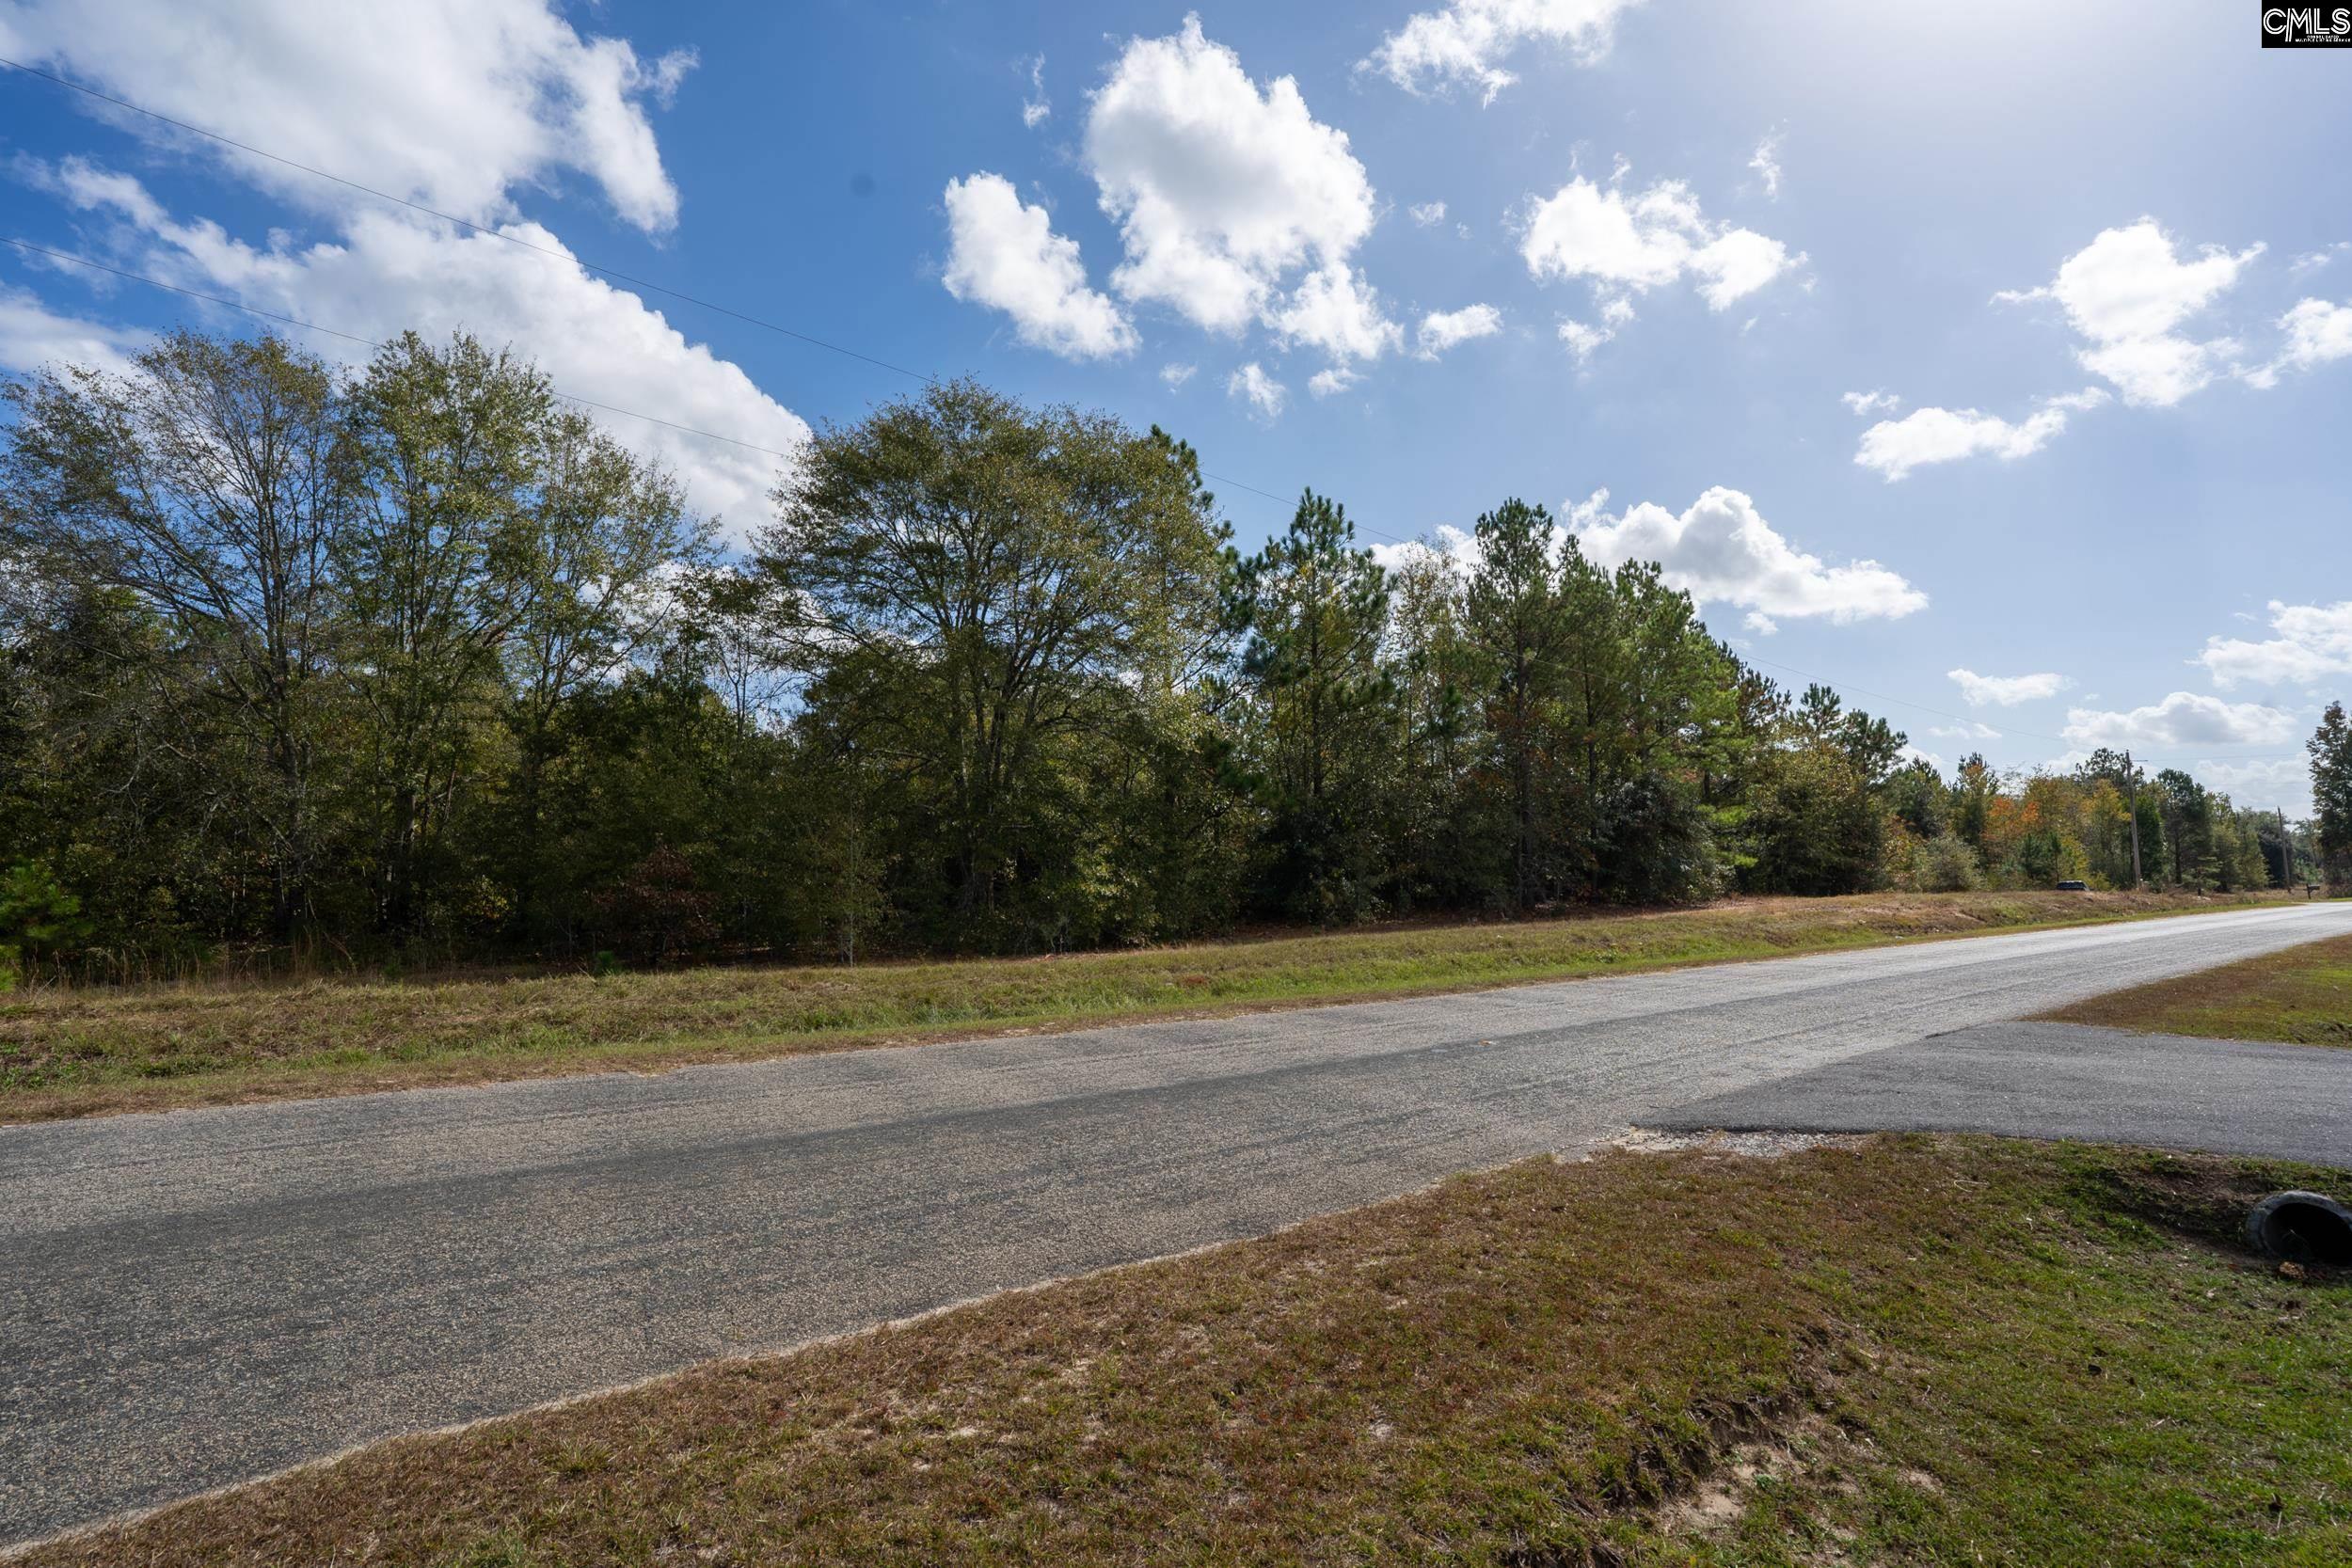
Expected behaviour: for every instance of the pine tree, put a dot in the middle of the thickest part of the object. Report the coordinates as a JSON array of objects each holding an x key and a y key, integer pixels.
[
  {"x": 2331, "y": 795},
  {"x": 1316, "y": 608}
]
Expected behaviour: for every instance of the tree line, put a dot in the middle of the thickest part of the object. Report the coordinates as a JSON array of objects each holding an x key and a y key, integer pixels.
[{"x": 416, "y": 664}]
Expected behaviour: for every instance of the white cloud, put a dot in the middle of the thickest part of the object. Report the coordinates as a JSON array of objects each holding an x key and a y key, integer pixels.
[
  {"x": 388, "y": 271},
  {"x": 2312, "y": 260},
  {"x": 2184, "y": 718},
  {"x": 1583, "y": 337},
  {"x": 1428, "y": 215},
  {"x": 2006, "y": 691},
  {"x": 1467, "y": 42},
  {"x": 1331, "y": 381},
  {"x": 2314, "y": 642},
  {"x": 2317, "y": 331},
  {"x": 1265, "y": 396},
  {"x": 1441, "y": 331},
  {"x": 2263, "y": 784},
  {"x": 1035, "y": 110},
  {"x": 1873, "y": 402},
  {"x": 2127, "y": 293},
  {"x": 1005, "y": 254},
  {"x": 1925, "y": 435},
  {"x": 1221, "y": 191},
  {"x": 32, "y": 336},
  {"x": 1334, "y": 310},
  {"x": 1766, "y": 164},
  {"x": 1177, "y": 374},
  {"x": 449, "y": 102},
  {"x": 1448, "y": 546},
  {"x": 1721, "y": 550},
  {"x": 1966, "y": 730},
  {"x": 1761, "y": 623},
  {"x": 1631, "y": 244}
]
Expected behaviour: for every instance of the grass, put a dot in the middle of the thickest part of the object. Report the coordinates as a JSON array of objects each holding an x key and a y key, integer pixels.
[
  {"x": 1892, "y": 1350},
  {"x": 78, "y": 1052},
  {"x": 2301, "y": 995}
]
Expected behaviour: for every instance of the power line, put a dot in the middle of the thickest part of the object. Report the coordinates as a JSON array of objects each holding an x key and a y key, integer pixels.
[
  {"x": 224, "y": 301},
  {"x": 365, "y": 342},
  {"x": 553, "y": 254},
  {"x": 550, "y": 253}
]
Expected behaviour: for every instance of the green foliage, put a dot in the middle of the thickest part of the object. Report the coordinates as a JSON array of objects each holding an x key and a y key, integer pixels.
[
  {"x": 37, "y": 917},
  {"x": 1003, "y": 618},
  {"x": 1816, "y": 827},
  {"x": 2330, "y": 750},
  {"x": 1945, "y": 864},
  {"x": 1313, "y": 609},
  {"x": 416, "y": 663}
]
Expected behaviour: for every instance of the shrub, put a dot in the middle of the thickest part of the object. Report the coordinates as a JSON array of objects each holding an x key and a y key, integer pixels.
[{"x": 1945, "y": 864}]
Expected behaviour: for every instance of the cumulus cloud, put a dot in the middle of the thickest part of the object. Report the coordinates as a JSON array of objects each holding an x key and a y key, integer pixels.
[
  {"x": 2006, "y": 691},
  {"x": 1334, "y": 310},
  {"x": 1177, "y": 374},
  {"x": 1721, "y": 550},
  {"x": 1265, "y": 396},
  {"x": 1466, "y": 43},
  {"x": 449, "y": 102},
  {"x": 1925, "y": 435},
  {"x": 2184, "y": 718},
  {"x": 1627, "y": 244},
  {"x": 1441, "y": 331},
  {"x": 458, "y": 106},
  {"x": 388, "y": 270},
  {"x": 1872, "y": 402},
  {"x": 2314, "y": 644},
  {"x": 1004, "y": 254},
  {"x": 1222, "y": 191},
  {"x": 2127, "y": 294}
]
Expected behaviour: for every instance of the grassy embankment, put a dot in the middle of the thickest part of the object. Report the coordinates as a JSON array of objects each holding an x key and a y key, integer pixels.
[
  {"x": 81, "y": 1052},
  {"x": 1898, "y": 1351},
  {"x": 2300, "y": 996}
]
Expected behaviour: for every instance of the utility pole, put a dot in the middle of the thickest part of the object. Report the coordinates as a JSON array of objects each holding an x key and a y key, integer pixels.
[
  {"x": 2286, "y": 853},
  {"x": 2131, "y": 775}
]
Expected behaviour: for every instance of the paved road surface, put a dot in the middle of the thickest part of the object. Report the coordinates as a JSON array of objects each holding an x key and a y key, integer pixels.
[
  {"x": 200, "y": 1298},
  {"x": 2065, "y": 1081}
]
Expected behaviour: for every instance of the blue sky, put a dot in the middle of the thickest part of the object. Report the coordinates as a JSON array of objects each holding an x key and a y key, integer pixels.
[{"x": 2092, "y": 261}]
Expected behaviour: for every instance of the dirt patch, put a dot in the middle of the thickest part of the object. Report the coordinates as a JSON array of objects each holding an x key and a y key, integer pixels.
[{"x": 1760, "y": 1145}]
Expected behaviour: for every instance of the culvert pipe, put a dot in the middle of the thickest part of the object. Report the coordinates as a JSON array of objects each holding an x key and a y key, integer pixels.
[{"x": 2301, "y": 1228}]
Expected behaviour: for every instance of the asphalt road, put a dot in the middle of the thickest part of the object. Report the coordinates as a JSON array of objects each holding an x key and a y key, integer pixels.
[
  {"x": 2064, "y": 1081},
  {"x": 196, "y": 1298}
]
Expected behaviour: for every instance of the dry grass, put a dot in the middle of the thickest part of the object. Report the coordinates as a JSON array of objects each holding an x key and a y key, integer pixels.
[
  {"x": 80, "y": 1051},
  {"x": 1905, "y": 1351},
  {"x": 2300, "y": 996}
]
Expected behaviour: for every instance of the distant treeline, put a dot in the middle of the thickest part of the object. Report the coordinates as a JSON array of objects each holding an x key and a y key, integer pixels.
[{"x": 418, "y": 665}]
